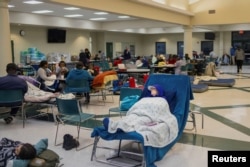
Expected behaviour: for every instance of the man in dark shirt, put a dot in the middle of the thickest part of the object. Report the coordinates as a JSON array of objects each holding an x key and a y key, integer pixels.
[
  {"x": 9, "y": 82},
  {"x": 84, "y": 57},
  {"x": 126, "y": 54}
]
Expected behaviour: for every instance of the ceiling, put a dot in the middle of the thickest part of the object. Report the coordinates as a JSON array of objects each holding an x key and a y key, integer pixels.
[
  {"x": 111, "y": 23},
  {"x": 59, "y": 11},
  {"x": 127, "y": 24}
]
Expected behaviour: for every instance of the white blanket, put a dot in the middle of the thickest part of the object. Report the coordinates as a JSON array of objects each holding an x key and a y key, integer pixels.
[
  {"x": 34, "y": 94},
  {"x": 151, "y": 118}
]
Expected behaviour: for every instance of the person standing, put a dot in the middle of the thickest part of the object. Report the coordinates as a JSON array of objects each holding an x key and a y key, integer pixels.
[
  {"x": 126, "y": 56},
  {"x": 232, "y": 54},
  {"x": 83, "y": 57},
  {"x": 87, "y": 53},
  {"x": 9, "y": 82},
  {"x": 239, "y": 56}
]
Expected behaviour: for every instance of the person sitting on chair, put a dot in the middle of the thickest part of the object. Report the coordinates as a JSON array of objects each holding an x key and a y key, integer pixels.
[
  {"x": 9, "y": 82},
  {"x": 80, "y": 73},
  {"x": 150, "y": 116},
  {"x": 46, "y": 78},
  {"x": 61, "y": 70},
  {"x": 10, "y": 150}
]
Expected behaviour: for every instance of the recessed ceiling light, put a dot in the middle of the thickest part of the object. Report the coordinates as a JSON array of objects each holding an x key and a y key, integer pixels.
[
  {"x": 11, "y": 6},
  {"x": 101, "y": 13},
  {"x": 160, "y": 1},
  {"x": 42, "y": 11},
  {"x": 71, "y": 8},
  {"x": 32, "y": 2},
  {"x": 96, "y": 19},
  {"x": 123, "y": 17},
  {"x": 73, "y": 15}
]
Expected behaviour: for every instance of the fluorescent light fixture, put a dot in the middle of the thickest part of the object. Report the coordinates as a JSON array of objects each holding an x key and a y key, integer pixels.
[
  {"x": 11, "y": 6},
  {"x": 71, "y": 8},
  {"x": 160, "y": 1},
  {"x": 32, "y": 2},
  {"x": 97, "y": 19},
  {"x": 123, "y": 17},
  {"x": 73, "y": 15},
  {"x": 193, "y": 1},
  {"x": 113, "y": 30},
  {"x": 42, "y": 11},
  {"x": 100, "y": 13}
]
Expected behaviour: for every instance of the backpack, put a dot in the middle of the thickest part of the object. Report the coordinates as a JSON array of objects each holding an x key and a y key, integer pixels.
[
  {"x": 69, "y": 142},
  {"x": 47, "y": 158}
]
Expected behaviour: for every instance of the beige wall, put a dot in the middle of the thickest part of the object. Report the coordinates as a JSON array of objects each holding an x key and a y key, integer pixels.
[
  {"x": 227, "y": 12},
  {"x": 79, "y": 39},
  {"x": 37, "y": 37}
]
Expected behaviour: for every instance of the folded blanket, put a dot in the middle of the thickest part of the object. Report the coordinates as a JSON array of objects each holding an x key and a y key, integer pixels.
[
  {"x": 99, "y": 79},
  {"x": 151, "y": 118},
  {"x": 203, "y": 78}
]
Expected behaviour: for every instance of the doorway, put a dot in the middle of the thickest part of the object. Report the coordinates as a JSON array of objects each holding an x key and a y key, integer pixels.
[
  {"x": 160, "y": 48},
  {"x": 180, "y": 48},
  {"x": 207, "y": 46},
  {"x": 109, "y": 50}
]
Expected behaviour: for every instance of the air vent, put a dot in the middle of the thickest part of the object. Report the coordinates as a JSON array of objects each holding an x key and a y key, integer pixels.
[{"x": 211, "y": 12}]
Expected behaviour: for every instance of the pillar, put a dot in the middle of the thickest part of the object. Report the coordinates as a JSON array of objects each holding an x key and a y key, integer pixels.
[
  {"x": 188, "y": 41},
  {"x": 221, "y": 44},
  {"x": 5, "y": 41}
]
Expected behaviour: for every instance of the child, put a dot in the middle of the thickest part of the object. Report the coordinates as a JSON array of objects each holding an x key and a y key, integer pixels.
[
  {"x": 10, "y": 150},
  {"x": 156, "y": 91},
  {"x": 61, "y": 70}
]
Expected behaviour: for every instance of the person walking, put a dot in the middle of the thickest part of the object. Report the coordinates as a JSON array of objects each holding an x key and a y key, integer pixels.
[
  {"x": 232, "y": 54},
  {"x": 239, "y": 56}
]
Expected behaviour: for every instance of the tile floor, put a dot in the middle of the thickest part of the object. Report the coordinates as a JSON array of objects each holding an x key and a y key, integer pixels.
[{"x": 226, "y": 127}]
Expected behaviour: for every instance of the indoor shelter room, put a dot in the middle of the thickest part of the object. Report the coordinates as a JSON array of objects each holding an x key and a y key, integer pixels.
[{"x": 218, "y": 118}]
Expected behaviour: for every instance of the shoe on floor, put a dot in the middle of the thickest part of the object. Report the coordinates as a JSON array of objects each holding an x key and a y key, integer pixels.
[{"x": 8, "y": 120}]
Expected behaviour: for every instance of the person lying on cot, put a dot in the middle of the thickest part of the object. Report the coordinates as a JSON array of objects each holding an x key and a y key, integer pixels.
[
  {"x": 150, "y": 117},
  {"x": 10, "y": 150}
]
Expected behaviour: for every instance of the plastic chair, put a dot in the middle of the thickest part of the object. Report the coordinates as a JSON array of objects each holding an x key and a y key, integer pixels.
[
  {"x": 124, "y": 92},
  {"x": 184, "y": 69},
  {"x": 70, "y": 112},
  {"x": 193, "y": 120},
  {"x": 77, "y": 86},
  {"x": 106, "y": 89},
  {"x": 179, "y": 83},
  {"x": 9, "y": 99},
  {"x": 191, "y": 69}
]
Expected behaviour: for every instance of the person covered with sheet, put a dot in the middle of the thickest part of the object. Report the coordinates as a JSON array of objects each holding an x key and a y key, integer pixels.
[{"x": 150, "y": 117}]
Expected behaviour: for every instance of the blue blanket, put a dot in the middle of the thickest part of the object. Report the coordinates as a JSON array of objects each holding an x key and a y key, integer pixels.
[{"x": 182, "y": 85}]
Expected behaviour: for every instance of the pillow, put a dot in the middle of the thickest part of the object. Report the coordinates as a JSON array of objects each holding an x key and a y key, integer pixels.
[{"x": 40, "y": 146}]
